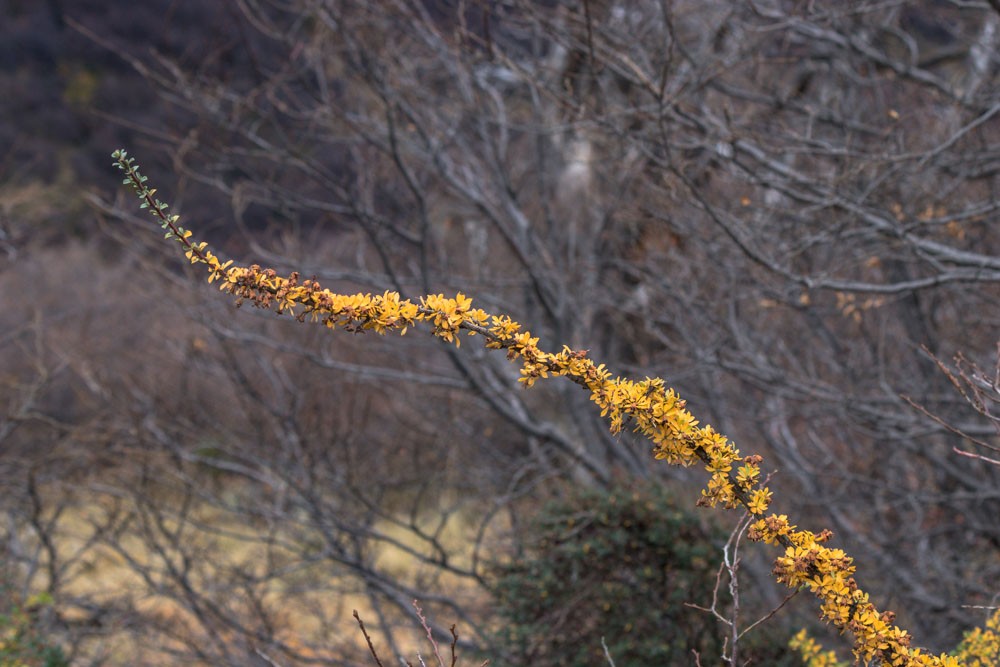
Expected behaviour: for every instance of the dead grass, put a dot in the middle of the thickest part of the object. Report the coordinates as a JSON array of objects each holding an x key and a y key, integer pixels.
[{"x": 310, "y": 608}]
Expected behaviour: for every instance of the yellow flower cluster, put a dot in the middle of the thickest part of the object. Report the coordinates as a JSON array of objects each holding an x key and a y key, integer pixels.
[
  {"x": 812, "y": 653},
  {"x": 449, "y": 315},
  {"x": 828, "y": 574},
  {"x": 981, "y": 646},
  {"x": 648, "y": 406}
]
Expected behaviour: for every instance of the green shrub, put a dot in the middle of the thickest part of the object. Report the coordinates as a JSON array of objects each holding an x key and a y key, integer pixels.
[
  {"x": 623, "y": 566},
  {"x": 21, "y": 643}
]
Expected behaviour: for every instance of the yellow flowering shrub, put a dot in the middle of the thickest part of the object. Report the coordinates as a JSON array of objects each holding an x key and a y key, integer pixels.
[
  {"x": 812, "y": 653},
  {"x": 648, "y": 406},
  {"x": 981, "y": 646}
]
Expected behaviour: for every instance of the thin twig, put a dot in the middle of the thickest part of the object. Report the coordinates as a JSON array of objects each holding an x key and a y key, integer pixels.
[
  {"x": 266, "y": 658},
  {"x": 607, "y": 653},
  {"x": 771, "y": 613},
  {"x": 371, "y": 647},
  {"x": 430, "y": 634},
  {"x": 973, "y": 455}
]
